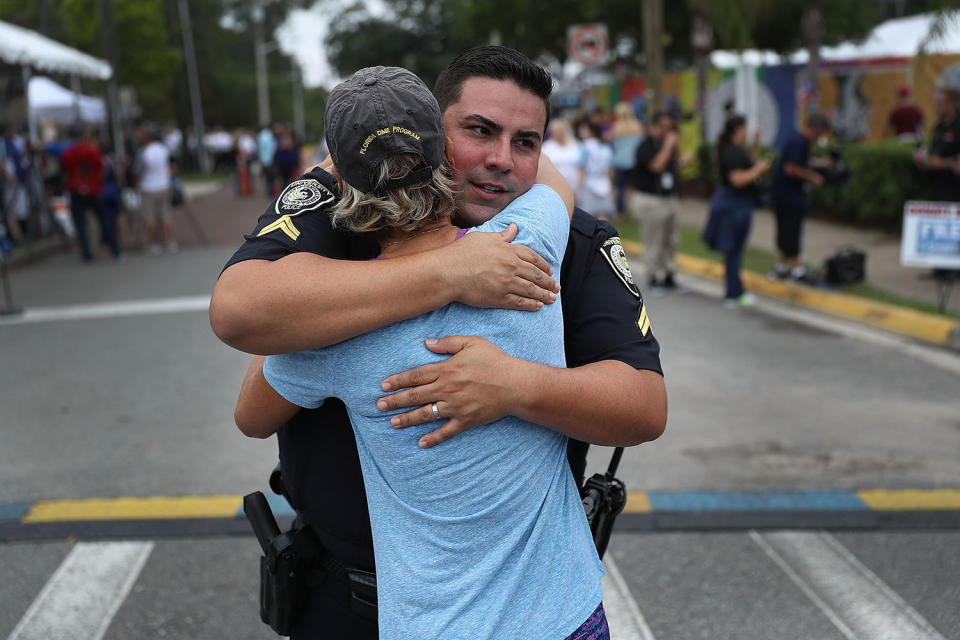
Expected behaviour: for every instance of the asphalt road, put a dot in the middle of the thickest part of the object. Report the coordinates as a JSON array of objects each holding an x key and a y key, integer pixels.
[{"x": 137, "y": 401}]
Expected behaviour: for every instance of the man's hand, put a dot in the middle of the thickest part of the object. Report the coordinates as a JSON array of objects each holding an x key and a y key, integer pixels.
[
  {"x": 471, "y": 388},
  {"x": 484, "y": 270}
]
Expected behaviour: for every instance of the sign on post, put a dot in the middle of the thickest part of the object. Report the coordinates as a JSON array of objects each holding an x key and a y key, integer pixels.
[
  {"x": 931, "y": 235},
  {"x": 587, "y": 43}
]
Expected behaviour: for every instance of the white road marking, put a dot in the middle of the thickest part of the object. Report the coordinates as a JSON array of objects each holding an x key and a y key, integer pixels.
[
  {"x": 858, "y": 603},
  {"x": 85, "y": 592},
  {"x": 109, "y": 310},
  {"x": 623, "y": 615}
]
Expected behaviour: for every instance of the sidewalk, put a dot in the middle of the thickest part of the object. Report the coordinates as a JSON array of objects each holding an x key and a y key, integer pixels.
[{"x": 822, "y": 239}]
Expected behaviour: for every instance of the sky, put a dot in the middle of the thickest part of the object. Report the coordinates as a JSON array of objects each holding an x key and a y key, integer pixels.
[{"x": 302, "y": 36}]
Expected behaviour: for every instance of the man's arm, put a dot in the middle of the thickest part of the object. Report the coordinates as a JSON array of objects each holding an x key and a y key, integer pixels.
[
  {"x": 800, "y": 173},
  {"x": 305, "y": 301},
  {"x": 606, "y": 403},
  {"x": 260, "y": 410},
  {"x": 662, "y": 159}
]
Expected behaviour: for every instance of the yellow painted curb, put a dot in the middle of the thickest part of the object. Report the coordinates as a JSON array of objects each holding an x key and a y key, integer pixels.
[
  {"x": 915, "y": 324},
  {"x": 133, "y": 508},
  {"x": 637, "y": 502},
  {"x": 911, "y": 499}
]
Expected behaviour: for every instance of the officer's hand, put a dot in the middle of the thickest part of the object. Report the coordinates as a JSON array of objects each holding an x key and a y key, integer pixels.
[
  {"x": 485, "y": 270},
  {"x": 471, "y": 388}
]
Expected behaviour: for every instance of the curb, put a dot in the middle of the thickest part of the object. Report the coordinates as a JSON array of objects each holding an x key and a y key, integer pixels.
[
  {"x": 906, "y": 322},
  {"x": 231, "y": 506}
]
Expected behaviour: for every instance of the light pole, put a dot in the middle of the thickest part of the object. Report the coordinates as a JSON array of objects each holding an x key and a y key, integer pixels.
[
  {"x": 260, "y": 51},
  {"x": 190, "y": 58}
]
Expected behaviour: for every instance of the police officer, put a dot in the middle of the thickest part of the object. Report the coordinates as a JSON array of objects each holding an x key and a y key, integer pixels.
[
  {"x": 282, "y": 292},
  {"x": 942, "y": 161}
]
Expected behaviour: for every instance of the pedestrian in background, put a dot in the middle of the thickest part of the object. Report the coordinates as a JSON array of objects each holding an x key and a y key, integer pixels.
[
  {"x": 905, "y": 121},
  {"x": 791, "y": 203},
  {"x": 564, "y": 150},
  {"x": 942, "y": 160},
  {"x": 731, "y": 209},
  {"x": 286, "y": 159},
  {"x": 652, "y": 200},
  {"x": 266, "y": 147},
  {"x": 624, "y": 136},
  {"x": 594, "y": 187},
  {"x": 155, "y": 191},
  {"x": 83, "y": 165}
]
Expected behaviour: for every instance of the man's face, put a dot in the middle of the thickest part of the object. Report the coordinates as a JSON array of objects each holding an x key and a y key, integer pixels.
[
  {"x": 495, "y": 131},
  {"x": 943, "y": 106}
]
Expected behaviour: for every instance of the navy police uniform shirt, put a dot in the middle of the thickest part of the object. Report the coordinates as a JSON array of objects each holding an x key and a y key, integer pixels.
[
  {"x": 604, "y": 315},
  {"x": 787, "y": 192}
]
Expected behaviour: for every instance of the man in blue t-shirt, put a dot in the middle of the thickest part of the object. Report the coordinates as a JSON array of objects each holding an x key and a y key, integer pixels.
[{"x": 789, "y": 197}]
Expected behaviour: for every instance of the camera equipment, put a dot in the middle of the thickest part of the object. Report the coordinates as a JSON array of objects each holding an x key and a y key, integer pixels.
[
  {"x": 604, "y": 497},
  {"x": 837, "y": 171}
]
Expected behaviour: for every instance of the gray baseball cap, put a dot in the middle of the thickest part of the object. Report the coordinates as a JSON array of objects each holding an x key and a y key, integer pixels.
[{"x": 380, "y": 112}]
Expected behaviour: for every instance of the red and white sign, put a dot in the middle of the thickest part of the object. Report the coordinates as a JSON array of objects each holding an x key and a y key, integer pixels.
[{"x": 587, "y": 43}]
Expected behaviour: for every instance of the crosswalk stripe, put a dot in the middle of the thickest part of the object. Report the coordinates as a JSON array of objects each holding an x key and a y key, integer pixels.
[
  {"x": 623, "y": 615},
  {"x": 109, "y": 310},
  {"x": 852, "y": 597},
  {"x": 85, "y": 592}
]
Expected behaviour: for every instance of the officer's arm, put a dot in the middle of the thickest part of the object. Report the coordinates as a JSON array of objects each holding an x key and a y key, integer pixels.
[
  {"x": 306, "y": 301},
  {"x": 606, "y": 403},
  {"x": 260, "y": 410}
]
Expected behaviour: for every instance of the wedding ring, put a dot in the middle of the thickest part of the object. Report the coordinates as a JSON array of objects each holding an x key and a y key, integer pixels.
[{"x": 436, "y": 411}]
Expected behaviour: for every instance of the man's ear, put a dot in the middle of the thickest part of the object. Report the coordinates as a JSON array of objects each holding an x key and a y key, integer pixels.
[{"x": 448, "y": 152}]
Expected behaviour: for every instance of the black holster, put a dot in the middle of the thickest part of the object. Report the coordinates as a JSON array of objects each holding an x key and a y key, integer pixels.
[{"x": 604, "y": 497}]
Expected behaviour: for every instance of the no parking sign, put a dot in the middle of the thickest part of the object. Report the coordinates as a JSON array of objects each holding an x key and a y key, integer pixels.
[{"x": 587, "y": 43}]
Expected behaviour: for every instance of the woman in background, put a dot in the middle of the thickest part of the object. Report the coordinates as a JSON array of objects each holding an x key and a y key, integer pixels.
[
  {"x": 625, "y": 136},
  {"x": 731, "y": 210}
]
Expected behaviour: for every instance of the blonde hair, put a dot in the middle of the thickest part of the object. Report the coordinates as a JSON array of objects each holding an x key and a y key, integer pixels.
[
  {"x": 402, "y": 208},
  {"x": 623, "y": 111}
]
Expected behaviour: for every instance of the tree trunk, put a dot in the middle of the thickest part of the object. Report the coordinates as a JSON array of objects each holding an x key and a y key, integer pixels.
[
  {"x": 813, "y": 35},
  {"x": 653, "y": 50}
]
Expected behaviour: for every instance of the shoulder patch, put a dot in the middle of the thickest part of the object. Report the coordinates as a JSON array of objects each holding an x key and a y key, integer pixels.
[
  {"x": 613, "y": 252},
  {"x": 302, "y": 196}
]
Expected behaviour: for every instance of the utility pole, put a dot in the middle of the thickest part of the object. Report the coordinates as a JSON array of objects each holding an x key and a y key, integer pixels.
[
  {"x": 296, "y": 79},
  {"x": 812, "y": 25},
  {"x": 701, "y": 38},
  {"x": 190, "y": 58},
  {"x": 260, "y": 52},
  {"x": 653, "y": 51},
  {"x": 108, "y": 35}
]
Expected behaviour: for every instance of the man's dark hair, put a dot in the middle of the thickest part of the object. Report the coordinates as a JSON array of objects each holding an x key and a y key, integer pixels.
[
  {"x": 660, "y": 115},
  {"x": 497, "y": 63}
]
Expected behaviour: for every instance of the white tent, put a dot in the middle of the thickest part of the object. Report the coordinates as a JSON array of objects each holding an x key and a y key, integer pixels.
[
  {"x": 898, "y": 38},
  {"x": 23, "y": 47},
  {"x": 48, "y": 100}
]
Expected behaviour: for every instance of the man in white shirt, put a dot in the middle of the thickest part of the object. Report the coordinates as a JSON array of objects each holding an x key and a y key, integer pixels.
[{"x": 155, "y": 191}]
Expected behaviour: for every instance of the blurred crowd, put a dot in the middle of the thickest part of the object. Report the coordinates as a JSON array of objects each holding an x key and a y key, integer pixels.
[{"x": 55, "y": 187}]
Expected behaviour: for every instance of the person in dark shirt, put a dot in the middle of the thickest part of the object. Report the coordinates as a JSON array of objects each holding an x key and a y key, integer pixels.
[
  {"x": 731, "y": 210},
  {"x": 653, "y": 199},
  {"x": 789, "y": 198},
  {"x": 905, "y": 121},
  {"x": 942, "y": 160}
]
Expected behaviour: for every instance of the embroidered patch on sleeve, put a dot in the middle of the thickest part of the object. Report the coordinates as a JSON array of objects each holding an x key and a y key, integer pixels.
[
  {"x": 612, "y": 250},
  {"x": 302, "y": 196}
]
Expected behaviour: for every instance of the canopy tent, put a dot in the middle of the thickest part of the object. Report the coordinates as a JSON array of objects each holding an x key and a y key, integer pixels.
[
  {"x": 23, "y": 47},
  {"x": 48, "y": 100},
  {"x": 898, "y": 38}
]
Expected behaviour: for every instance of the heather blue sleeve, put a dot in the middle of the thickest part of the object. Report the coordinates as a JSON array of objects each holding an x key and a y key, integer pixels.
[{"x": 303, "y": 378}]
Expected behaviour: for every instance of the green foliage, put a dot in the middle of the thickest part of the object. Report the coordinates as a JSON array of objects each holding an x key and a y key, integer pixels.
[{"x": 883, "y": 177}]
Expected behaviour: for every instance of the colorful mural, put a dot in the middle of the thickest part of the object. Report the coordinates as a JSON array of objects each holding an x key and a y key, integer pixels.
[{"x": 857, "y": 96}]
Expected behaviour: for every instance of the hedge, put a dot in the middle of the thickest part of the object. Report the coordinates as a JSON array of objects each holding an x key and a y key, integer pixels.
[{"x": 882, "y": 177}]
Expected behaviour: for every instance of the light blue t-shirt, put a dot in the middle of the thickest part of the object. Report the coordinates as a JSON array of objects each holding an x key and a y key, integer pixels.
[{"x": 484, "y": 535}]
